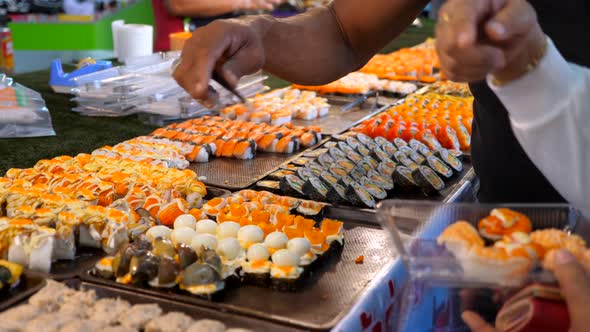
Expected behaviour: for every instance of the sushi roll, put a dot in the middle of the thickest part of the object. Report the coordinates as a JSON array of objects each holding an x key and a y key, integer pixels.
[
  {"x": 280, "y": 174},
  {"x": 372, "y": 146},
  {"x": 315, "y": 168},
  {"x": 315, "y": 189},
  {"x": 364, "y": 139},
  {"x": 290, "y": 167},
  {"x": 380, "y": 155},
  {"x": 292, "y": 185},
  {"x": 416, "y": 157},
  {"x": 374, "y": 163},
  {"x": 359, "y": 196},
  {"x": 382, "y": 180},
  {"x": 386, "y": 167},
  {"x": 450, "y": 160},
  {"x": 325, "y": 160},
  {"x": 304, "y": 173},
  {"x": 406, "y": 161},
  {"x": 329, "y": 178},
  {"x": 416, "y": 145},
  {"x": 347, "y": 149},
  {"x": 345, "y": 181},
  {"x": 402, "y": 177},
  {"x": 352, "y": 142},
  {"x": 365, "y": 167},
  {"x": 337, "y": 154},
  {"x": 256, "y": 269},
  {"x": 285, "y": 273},
  {"x": 363, "y": 150},
  {"x": 245, "y": 150},
  {"x": 346, "y": 164},
  {"x": 340, "y": 137},
  {"x": 399, "y": 143},
  {"x": 272, "y": 186},
  {"x": 376, "y": 191},
  {"x": 439, "y": 167},
  {"x": 311, "y": 210},
  {"x": 330, "y": 145},
  {"x": 337, "y": 171},
  {"x": 357, "y": 174},
  {"x": 199, "y": 154},
  {"x": 355, "y": 157},
  {"x": 301, "y": 161},
  {"x": 315, "y": 153},
  {"x": 427, "y": 179},
  {"x": 390, "y": 149},
  {"x": 459, "y": 154},
  {"x": 337, "y": 194}
]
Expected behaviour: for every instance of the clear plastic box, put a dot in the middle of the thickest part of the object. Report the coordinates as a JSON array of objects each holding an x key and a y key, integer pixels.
[{"x": 429, "y": 262}]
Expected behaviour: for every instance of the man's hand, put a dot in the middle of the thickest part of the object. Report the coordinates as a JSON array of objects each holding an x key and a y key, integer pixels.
[
  {"x": 479, "y": 37},
  {"x": 230, "y": 47}
]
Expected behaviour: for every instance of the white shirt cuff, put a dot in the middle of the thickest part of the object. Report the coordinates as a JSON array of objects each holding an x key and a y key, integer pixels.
[{"x": 532, "y": 98}]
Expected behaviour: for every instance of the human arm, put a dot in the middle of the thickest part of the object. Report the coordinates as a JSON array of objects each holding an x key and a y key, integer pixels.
[
  {"x": 206, "y": 8},
  {"x": 315, "y": 47}
]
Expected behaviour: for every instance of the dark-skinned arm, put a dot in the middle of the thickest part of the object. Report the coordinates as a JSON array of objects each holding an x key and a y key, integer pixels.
[{"x": 312, "y": 48}]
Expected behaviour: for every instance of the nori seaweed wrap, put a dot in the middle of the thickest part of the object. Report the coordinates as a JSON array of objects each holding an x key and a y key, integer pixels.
[
  {"x": 402, "y": 177},
  {"x": 428, "y": 181},
  {"x": 359, "y": 196},
  {"x": 316, "y": 189},
  {"x": 292, "y": 185},
  {"x": 439, "y": 167},
  {"x": 450, "y": 160}
]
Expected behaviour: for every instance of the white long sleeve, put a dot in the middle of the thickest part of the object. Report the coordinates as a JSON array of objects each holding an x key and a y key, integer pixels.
[{"x": 550, "y": 114}]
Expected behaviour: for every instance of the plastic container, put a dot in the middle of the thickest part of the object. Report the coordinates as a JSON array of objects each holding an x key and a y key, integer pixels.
[{"x": 429, "y": 262}]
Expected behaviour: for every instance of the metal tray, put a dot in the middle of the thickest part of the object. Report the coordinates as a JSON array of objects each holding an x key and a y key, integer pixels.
[
  {"x": 328, "y": 295},
  {"x": 235, "y": 174},
  {"x": 345, "y": 112},
  {"x": 28, "y": 286},
  {"x": 87, "y": 257},
  {"x": 167, "y": 305}
]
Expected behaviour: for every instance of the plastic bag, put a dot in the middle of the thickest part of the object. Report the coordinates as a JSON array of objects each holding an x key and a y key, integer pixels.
[{"x": 22, "y": 111}]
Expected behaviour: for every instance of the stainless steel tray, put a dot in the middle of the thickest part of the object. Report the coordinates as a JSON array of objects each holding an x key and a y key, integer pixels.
[{"x": 327, "y": 296}]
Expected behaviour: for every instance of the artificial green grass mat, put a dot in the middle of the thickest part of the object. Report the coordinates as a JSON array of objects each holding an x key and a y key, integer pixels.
[{"x": 77, "y": 134}]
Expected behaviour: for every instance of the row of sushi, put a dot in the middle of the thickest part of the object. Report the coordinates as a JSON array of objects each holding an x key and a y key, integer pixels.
[
  {"x": 358, "y": 170},
  {"x": 58, "y": 308},
  {"x": 514, "y": 247},
  {"x": 450, "y": 88},
  {"x": 87, "y": 201},
  {"x": 362, "y": 83},
  {"x": 407, "y": 64},
  {"x": 255, "y": 241},
  {"x": 219, "y": 137},
  {"x": 438, "y": 121},
  {"x": 279, "y": 107}
]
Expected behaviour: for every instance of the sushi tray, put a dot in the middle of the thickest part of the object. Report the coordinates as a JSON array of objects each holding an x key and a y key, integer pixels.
[
  {"x": 26, "y": 286},
  {"x": 235, "y": 174},
  {"x": 85, "y": 306},
  {"x": 317, "y": 302},
  {"x": 354, "y": 171}
]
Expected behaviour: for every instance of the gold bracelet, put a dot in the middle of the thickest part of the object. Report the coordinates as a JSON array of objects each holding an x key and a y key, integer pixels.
[{"x": 533, "y": 63}]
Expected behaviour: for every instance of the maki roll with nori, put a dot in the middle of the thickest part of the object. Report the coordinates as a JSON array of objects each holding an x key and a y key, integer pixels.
[
  {"x": 363, "y": 150},
  {"x": 315, "y": 168},
  {"x": 325, "y": 160},
  {"x": 330, "y": 145},
  {"x": 290, "y": 167},
  {"x": 365, "y": 167},
  {"x": 382, "y": 180},
  {"x": 311, "y": 210},
  {"x": 292, "y": 185},
  {"x": 450, "y": 160},
  {"x": 301, "y": 161},
  {"x": 355, "y": 157},
  {"x": 416, "y": 157},
  {"x": 336, "y": 153},
  {"x": 386, "y": 167},
  {"x": 390, "y": 149},
  {"x": 337, "y": 171},
  {"x": 374, "y": 163},
  {"x": 315, "y": 189},
  {"x": 372, "y": 146},
  {"x": 329, "y": 178},
  {"x": 337, "y": 194},
  {"x": 340, "y": 137},
  {"x": 364, "y": 139},
  {"x": 280, "y": 174},
  {"x": 416, "y": 145},
  {"x": 427, "y": 179},
  {"x": 315, "y": 153},
  {"x": 272, "y": 186},
  {"x": 376, "y": 191},
  {"x": 405, "y": 160},
  {"x": 353, "y": 142},
  {"x": 345, "y": 148},
  {"x": 346, "y": 164},
  {"x": 381, "y": 141},
  {"x": 459, "y": 154},
  {"x": 359, "y": 196},
  {"x": 304, "y": 173},
  {"x": 357, "y": 174},
  {"x": 345, "y": 181},
  {"x": 439, "y": 167},
  {"x": 402, "y": 177},
  {"x": 380, "y": 155},
  {"x": 399, "y": 143}
]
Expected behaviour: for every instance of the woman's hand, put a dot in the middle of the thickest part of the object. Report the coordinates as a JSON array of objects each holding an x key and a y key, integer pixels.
[
  {"x": 480, "y": 37},
  {"x": 575, "y": 287}
]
